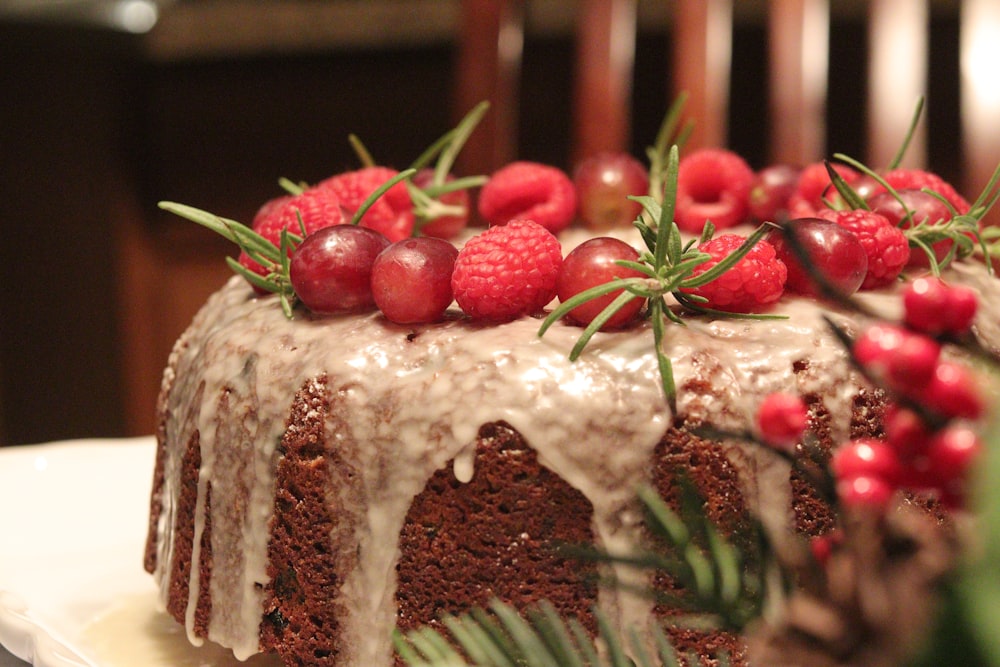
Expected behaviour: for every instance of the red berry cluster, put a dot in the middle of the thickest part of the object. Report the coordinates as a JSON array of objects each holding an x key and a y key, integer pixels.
[
  {"x": 512, "y": 269},
  {"x": 717, "y": 185},
  {"x": 928, "y": 445}
]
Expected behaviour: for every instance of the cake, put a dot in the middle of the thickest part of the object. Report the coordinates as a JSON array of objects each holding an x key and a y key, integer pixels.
[{"x": 322, "y": 480}]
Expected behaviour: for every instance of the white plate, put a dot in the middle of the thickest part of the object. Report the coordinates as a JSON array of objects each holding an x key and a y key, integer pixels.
[{"x": 73, "y": 592}]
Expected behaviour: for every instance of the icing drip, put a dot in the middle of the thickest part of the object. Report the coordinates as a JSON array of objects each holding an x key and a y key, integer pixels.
[{"x": 407, "y": 401}]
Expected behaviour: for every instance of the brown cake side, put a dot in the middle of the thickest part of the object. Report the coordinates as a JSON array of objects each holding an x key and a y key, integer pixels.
[
  {"x": 307, "y": 561},
  {"x": 496, "y": 536}
]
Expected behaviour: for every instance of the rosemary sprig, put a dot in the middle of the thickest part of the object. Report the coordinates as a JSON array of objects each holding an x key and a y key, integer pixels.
[
  {"x": 668, "y": 265},
  {"x": 670, "y": 133},
  {"x": 427, "y": 204},
  {"x": 274, "y": 258}
]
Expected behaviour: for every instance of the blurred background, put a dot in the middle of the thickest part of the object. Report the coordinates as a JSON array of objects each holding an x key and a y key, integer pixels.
[{"x": 107, "y": 107}]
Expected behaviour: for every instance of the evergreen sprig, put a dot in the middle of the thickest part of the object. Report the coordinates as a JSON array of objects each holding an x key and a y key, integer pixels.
[
  {"x": 668, "y": 266},
  {"x": 427, "y": 203},
  {"x": 500, "y": 636},
  {"x": 723, "y": 586},
  {"x": 274, "y": 258},
  {"x": 725, "y": 593}
]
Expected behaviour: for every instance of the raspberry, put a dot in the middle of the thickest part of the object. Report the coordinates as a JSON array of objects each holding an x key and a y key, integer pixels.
[
  {"x": 391, "y": 214},
  {"x": 885, "y": 244},
  {"x": 443, "y": 225},
  {"x": 712, "y": 184},
  {"x": 815, "y": 187},
  {"x": 319, "y": 208},
  {"x": 919, "y": 179},
  {"x": 756, "y": 280},
  {"x": 529, "y": 190},
  {"x": 507, "y": 271},
  {"x": 267, "y": 209}
]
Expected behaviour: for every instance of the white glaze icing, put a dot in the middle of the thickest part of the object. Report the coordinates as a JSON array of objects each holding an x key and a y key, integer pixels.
[{"x": 409, "y": 400}]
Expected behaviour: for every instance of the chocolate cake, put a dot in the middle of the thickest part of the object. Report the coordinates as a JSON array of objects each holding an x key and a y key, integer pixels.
[{"x": 321, "y": 481}]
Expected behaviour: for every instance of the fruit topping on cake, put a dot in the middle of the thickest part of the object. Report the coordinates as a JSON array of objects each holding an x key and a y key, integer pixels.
[
  {"x": 508, "y": 271},
  {"x": 712, "y": 184},
  {"x": 532, "y": 191}
]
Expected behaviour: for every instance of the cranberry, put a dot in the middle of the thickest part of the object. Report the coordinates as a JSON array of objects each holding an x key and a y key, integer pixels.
[
  {"x": 876, "y": 344},
  {"x": 593, "y": 263},
  {"x": 331, "y": 269},
  {"x": 823, "y": 546},
  {"x": 782, "y": 419},
  {"x": 952, "y": 392},
  {"x": 963, "y": 302},
  {"x": 603, "y": 184},
  {"x": 833, "y": 251},
  {"x": 934, "y": 307},
  {"x": 913, "y": 362},
  {"x": 866, "y": 457},
  {"x": 924, "y": 302},
  {"x": 864, "y": 492},
  {"x": 952, "y": 452},
  {"x": 411, "y": 280},
  {"x": 906, "y": 431}
]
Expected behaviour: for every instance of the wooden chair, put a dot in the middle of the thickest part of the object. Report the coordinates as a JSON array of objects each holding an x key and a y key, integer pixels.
[{"x": 491, "y": 43}]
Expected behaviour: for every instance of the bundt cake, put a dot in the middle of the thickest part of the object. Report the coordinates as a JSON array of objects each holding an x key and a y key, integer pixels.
[{"x": 322, "y": 480}]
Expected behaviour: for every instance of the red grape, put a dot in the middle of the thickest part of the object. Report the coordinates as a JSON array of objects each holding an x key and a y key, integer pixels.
[
  {"x": 833, "y": 250},
  {"x": 593, "y": 263},
  {"x": 923, "y": 208},
  {"x": 411, "y": 279},
  {"x": 603, "y": 184},
  {"x": 772, "y": 187},
  {"x": 331, "y": 269}
]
